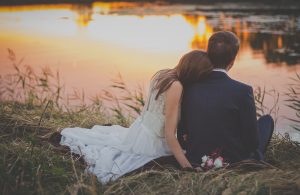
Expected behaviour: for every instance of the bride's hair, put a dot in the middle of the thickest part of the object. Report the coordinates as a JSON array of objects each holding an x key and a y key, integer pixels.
[{"x": 192, "y": 67}]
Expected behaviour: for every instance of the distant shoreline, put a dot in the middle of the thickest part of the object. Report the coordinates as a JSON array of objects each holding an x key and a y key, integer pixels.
[
  {"x": 262, "y": 6},
  {"x": 280, "y": 3}
]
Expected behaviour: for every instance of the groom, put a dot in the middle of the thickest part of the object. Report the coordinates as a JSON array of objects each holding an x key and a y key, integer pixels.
[{"x": 219, "y": 113}]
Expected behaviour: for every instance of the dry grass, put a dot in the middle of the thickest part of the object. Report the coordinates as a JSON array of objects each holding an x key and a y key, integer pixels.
[
  {"x": 31, "y": 162},
  {"x": 281, "y": 177}
]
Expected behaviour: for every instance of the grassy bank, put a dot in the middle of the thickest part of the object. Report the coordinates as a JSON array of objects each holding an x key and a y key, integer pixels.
[
  {"x": 32, "y": 161},
  {"x": 33, "y": 112}
]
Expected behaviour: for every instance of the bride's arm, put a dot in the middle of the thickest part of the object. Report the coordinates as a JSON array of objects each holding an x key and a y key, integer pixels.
[{"x": 173, "y": 97}]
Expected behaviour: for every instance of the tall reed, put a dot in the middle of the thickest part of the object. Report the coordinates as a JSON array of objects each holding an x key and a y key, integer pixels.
[
  {"x": 127, "y": 101},
  {"x": 260, "y": 96},
  {"x": 293, "y": 100},
  {"x": 24, "y": 84}
]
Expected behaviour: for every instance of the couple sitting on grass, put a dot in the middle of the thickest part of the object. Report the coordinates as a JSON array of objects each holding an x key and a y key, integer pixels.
[{"x": 196, "y": 117}]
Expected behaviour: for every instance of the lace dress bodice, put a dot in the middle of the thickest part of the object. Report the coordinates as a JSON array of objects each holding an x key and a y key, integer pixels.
[{"x": 153, "y": 116}]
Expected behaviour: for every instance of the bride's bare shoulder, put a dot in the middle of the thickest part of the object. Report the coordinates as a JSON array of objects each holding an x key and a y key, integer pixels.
[
  {"x": 175, "y": 90},
  {"x": 176, "y": 86},
  {"x": 174, "y": 93}
]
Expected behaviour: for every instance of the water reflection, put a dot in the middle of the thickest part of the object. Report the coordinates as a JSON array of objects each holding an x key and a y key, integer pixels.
[
  {"x": 277, "y": 39},
  {"x": 202, "y": 31},
  {"x": 84, "y": 14},
  {"x": 277, "y": 49}
]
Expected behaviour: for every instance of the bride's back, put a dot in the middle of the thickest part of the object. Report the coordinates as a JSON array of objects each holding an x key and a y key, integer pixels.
[
  {"x": 153, "y": 112},
  {"x": 154, "y": 103}
]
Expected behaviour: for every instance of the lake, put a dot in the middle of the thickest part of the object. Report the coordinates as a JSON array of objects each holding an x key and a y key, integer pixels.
[{"x": 90, "y": 44}]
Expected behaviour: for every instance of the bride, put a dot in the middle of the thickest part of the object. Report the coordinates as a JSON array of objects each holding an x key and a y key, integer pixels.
[{"x": 112, "y": 151}]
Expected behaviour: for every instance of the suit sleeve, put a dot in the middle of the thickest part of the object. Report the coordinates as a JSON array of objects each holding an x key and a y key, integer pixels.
[{"x": 249, "y": 121}]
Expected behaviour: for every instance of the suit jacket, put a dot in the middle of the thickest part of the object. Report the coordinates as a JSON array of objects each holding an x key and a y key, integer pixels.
[{"x": 218, "y": 112}]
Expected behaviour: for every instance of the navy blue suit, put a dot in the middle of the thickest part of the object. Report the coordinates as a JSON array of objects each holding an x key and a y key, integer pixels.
[{"x": 218, "y": 112}]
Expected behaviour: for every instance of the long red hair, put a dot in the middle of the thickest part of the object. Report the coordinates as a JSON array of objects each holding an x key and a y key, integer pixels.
[{"x": 192, "y": 67}]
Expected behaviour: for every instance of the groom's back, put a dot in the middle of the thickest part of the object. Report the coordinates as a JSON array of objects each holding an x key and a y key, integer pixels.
[{"x": 219, "y": 113}]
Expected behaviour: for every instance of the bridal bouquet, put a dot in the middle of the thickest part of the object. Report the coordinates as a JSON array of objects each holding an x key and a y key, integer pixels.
[{"x": 213, "y": 161}]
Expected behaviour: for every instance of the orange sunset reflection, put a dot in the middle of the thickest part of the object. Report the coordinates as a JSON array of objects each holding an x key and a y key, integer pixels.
[
  {"x": 202, "y": 31},
  {"x": 124, "y": 30}
]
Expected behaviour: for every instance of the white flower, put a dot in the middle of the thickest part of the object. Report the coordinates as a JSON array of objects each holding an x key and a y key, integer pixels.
[
  {"x": 218, "y": 162},
  {"x": 203, "y": 165},
  {"x": 204, "y": 159}
]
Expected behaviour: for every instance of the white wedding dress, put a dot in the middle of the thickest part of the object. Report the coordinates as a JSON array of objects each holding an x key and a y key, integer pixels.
[{"x": 112, "y": 151}]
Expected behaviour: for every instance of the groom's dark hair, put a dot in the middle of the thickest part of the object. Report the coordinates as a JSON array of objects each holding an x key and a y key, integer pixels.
[{"x": 222, "y": 48}]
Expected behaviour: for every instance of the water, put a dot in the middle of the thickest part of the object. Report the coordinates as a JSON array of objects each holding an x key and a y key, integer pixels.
[{"x": 90, "y": 44}]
